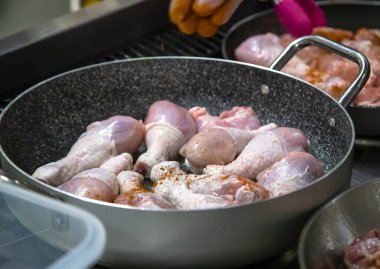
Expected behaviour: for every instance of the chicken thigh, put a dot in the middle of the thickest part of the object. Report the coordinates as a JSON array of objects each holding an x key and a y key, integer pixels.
[
  {"x": 99, "y": 183},
  {"x": 241, "y": 117},
  {"x": 168, "y": 128},
  {"x": 295, "y": 171},
  {"x": 217, "y": 145},
  {"x": 189, "y": 191},
  {"x": 101, "y": 141},
  {"x": 262, "y": 151},
  {"x": 133, "y": 194}
]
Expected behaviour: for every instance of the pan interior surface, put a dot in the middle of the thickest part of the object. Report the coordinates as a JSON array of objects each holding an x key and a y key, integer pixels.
[
  {"x": 41, "y": 125},
  {"x": 328, "y": 233}
]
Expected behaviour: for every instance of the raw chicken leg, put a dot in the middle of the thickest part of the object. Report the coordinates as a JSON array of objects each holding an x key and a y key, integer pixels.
[
  {"x": 203, "y": 191},
  {"x": 262, "y": 151},
  {"x": 133, "y": 194},
  {"x": 101, "y": 141},
  {"x": 241, "y": 117},
  {"x": 217, "y": 145},
  {"x": 99, "y": 183},
  {"x": 295, "y": 171},
  {"x": 168, "y": 128}
]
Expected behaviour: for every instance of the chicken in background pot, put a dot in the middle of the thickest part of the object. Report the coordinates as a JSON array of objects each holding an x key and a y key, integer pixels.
[{"x": 327, "y": 71}]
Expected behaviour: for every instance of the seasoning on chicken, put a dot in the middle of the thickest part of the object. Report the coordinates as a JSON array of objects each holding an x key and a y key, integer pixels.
[
  {"x": 364, "y": 251},
  {"x": 217, "y": 145},
  {"x": 335, "y": 34},
  {"x": 293, "y": 172},
  {"x": 102, "y": 140},
  {"x": 241, "y": 117},
  {"x": 99, "y": 183},
  {"x": 262, "y": 151},
  {"x": 168, "y": 127},
  {"x": 189, "y": 191},
  {"x": 133, "y": 194}
]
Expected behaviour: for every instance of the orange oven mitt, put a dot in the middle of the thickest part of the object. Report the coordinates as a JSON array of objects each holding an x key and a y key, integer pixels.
[{"x": 201, "y": 16}]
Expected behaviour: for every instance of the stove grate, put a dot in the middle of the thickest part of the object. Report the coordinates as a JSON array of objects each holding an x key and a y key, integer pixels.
[
  {"x": 167, "y": 42},
  {"x": 170, "y": 42}
]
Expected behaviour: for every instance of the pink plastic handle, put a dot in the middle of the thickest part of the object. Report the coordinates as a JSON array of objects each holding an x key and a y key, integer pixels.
[
  {"x": 314, "y": 12},
  {"x": 299, "y": 17}
]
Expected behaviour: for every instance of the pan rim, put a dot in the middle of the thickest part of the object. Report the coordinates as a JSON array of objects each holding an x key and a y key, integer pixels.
[
  {"x": 315, "y": 215},
  {"x": 56, "y": 193}
]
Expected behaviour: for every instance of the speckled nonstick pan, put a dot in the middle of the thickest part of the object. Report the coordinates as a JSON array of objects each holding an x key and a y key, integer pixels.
[
  {"x": 349, "y": 15},
  {"x": 41, "y": 125}
]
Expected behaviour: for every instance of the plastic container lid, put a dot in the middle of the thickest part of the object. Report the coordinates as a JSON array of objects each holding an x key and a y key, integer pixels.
[{"x": 40, "y": 232}]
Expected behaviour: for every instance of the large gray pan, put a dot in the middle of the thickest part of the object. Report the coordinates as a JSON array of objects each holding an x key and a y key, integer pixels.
[
  {"x": 41, "y": 125},
  {"x": 327, "y": 234},
  {"x": 349, "y": 15}
]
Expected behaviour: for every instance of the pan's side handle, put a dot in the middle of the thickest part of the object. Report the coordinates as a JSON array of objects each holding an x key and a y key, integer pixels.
[{"x": 344, "y": 51}]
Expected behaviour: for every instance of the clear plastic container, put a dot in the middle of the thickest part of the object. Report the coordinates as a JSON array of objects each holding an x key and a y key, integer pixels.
[{"x": 40, "y": 232}]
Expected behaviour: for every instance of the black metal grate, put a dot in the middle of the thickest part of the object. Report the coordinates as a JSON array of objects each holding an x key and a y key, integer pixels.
[
  {"x": 167, "y": 42},
  {"x": 170, "y": 42}
]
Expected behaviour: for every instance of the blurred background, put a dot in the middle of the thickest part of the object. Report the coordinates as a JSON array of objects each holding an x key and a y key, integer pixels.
[{"x": 18, "y": 15}]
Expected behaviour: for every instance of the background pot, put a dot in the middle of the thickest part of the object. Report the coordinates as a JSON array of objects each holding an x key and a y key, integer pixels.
[{"x": 360, "y": 14}]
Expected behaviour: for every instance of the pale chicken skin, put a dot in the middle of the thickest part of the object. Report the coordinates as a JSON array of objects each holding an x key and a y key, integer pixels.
[
  {"x": 294, "y": 172},
  {"x": 189, "y": 191},
  {"x": 240, "y": 117},
  {"x": 260, "y": 49},
  {"x": 133, "y": 194},
  {"x": 264, "y": 49},
  {"x": 231, "y": 149},
  {"x": 99, "y": 183},
  {"x": 102, "y": 140},
  {"x": 217, "y": 145},
  {"x": 364, "y": 251},
  {"x": 168, "y": 128},
  {"x": 262, "y": 151}
]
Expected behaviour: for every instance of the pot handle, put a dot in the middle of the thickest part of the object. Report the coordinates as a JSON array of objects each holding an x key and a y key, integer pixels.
[{"x": 342, "y": 50}]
